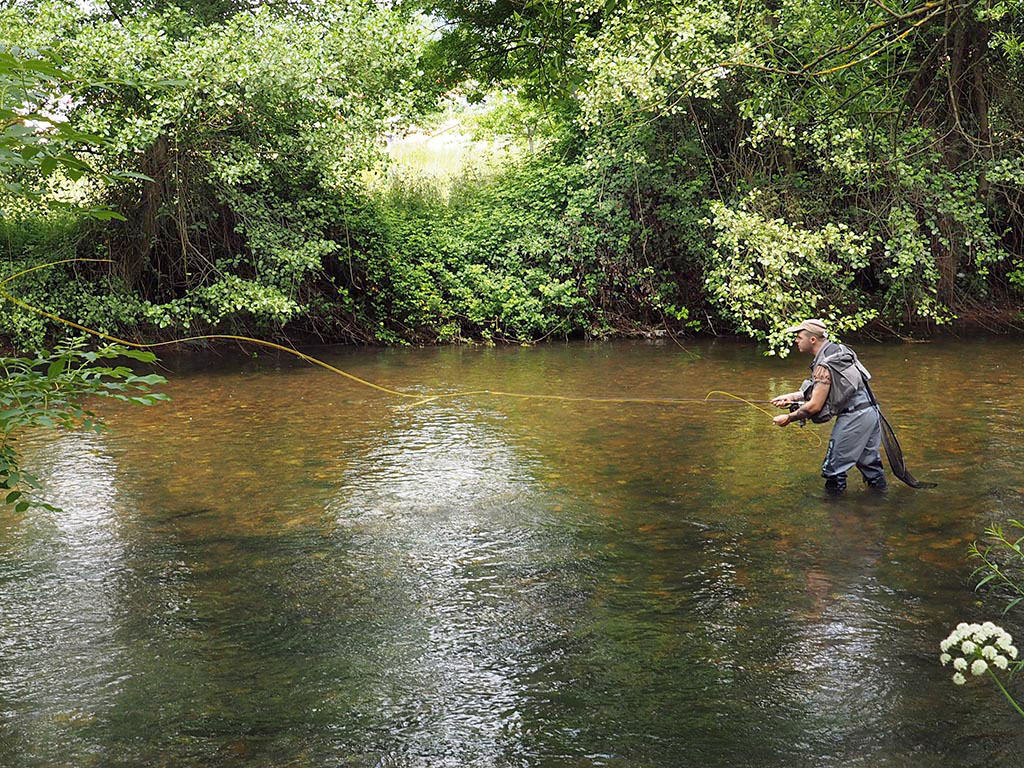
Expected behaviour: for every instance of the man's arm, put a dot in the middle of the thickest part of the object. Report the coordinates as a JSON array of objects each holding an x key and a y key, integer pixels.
[
  {"x": 783, "y": 400},
  {"x": 822, "y": 384}
]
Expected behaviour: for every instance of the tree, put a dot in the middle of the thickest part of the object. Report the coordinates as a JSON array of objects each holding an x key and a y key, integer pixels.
[{"x": 899, "y": 121}]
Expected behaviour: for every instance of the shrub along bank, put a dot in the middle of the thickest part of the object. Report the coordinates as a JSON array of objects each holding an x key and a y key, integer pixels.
[{"x": 682, "y": 171}]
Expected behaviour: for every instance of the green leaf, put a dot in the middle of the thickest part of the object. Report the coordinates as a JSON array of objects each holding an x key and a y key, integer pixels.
[
  {"x": 43, "y": 68},
  {"x": 142, "y": 355},
  {"x": 13, "y": 496},
  {"x": 47, "y": 165},
  {"x": 104, "y": 214},
  {"x": 986, "y": 580},
  {"x": 56, "y": 368},
  {"x": 149, "y": 379}
]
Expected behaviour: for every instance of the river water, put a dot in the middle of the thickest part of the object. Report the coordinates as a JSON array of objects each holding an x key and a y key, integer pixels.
[{"x": 282, "y": 568}]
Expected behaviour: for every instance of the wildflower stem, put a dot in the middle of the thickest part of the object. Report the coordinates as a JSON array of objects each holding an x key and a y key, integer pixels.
[{"x": 1006, "y": 693}]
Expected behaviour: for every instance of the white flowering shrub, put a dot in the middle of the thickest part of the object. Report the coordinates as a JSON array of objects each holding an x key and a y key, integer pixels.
[
  {"x": 974, "y": 649},
  {"x": 651, "y": 58},
  {"x": 763, "y": 272},
  {"x": 913, "y": 274}
]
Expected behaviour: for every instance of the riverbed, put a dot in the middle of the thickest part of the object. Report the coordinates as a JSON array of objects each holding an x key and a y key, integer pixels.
[{"x": 280, "y": 567}]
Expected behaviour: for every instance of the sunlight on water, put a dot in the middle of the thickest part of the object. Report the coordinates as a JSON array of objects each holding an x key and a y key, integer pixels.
[{"x": 276, "y": 568}]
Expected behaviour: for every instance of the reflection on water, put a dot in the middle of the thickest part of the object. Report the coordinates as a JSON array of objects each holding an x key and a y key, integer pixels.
[{"x": 278, "y": 569}]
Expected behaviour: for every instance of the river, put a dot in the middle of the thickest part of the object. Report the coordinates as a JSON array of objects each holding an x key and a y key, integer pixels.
[{"x": 282, "y": 568}]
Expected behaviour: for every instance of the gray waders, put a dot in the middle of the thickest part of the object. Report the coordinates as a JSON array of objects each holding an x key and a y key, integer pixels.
[
  {"x": 857, "y": 433},
  {"x": 855, "y": 440}
]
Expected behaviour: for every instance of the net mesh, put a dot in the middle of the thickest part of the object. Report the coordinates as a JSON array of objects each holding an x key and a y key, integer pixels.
[{"x": 894, "y": 453}]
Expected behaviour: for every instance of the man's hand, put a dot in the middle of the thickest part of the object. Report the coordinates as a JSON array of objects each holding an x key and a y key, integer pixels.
[
  {"x": 788, "y": 399},
  {"x": 781, "y": 420}
]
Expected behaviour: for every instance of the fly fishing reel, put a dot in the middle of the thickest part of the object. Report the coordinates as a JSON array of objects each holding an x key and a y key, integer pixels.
[{"x": 793, "y": 408}]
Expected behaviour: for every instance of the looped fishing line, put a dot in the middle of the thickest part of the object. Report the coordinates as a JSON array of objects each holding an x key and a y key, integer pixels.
[
  {"x": 417, "y": 398},
  {"x": 769, "y": 414}
]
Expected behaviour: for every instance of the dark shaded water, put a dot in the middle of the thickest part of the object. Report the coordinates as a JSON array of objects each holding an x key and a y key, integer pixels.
[{"x": 279, "y": 568}]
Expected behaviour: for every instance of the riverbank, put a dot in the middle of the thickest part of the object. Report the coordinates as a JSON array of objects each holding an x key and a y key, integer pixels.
[{"x": 1006, "y": 322}]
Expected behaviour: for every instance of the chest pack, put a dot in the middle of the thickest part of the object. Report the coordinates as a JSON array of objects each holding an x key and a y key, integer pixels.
[{"x": 848, "y": 377}]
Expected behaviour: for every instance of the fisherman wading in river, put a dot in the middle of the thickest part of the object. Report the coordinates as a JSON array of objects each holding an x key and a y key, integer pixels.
[{"x": 837, "y": 388}]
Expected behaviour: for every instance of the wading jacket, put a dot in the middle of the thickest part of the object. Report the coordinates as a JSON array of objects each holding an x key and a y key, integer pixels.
[{"x": 848, "y": 378}]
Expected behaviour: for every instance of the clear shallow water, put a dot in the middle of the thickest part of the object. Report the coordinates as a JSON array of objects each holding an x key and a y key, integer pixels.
[{"x": 280, "y": 569}]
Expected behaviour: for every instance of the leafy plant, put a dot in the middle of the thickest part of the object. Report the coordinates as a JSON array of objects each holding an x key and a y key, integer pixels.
[
  {"x": 37, "y": 143},
  {"x": 763, "y": 272},
  {"x": 51, "y": 390},
  {"x": 865, "y": 159},
  {"x": 987, "y": 649},
  {"x": 1001, "y": 557}
]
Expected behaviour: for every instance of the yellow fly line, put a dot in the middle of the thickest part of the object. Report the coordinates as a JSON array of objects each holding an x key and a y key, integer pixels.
[{"x": 416, "y": 398}]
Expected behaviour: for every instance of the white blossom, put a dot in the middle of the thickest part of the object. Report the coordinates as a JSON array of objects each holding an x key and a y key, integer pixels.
[{"x": 982, "y": 645}]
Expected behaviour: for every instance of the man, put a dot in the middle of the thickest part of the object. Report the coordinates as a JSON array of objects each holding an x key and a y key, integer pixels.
[{"x": 838, "y": 386}]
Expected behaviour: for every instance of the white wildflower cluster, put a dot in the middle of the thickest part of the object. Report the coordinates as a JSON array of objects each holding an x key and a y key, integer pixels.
[{"x": 975, "y": 647}]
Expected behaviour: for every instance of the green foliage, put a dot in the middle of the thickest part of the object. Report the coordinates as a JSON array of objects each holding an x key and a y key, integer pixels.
[
  {"x": 50, "y": 390},
  {"x": 37, "y": 143},
  {"x": 536, "y": 248},
  {"x": 912, "y": 272},
  {"x": 763, "y": 272},
  {"x": 734, "y": 161},
  {"x": 486, "y": 43},
  {"x": 881, "y": 142},
  {"x": 253, "y": 153},
  {"x": 87, "y": 294},
  {"x": 1001, "y": 558},
  {"x": 496, "y": 259}
]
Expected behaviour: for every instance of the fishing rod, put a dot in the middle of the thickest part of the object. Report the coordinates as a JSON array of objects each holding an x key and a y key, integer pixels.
[{"x": 587, "y": 399}]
